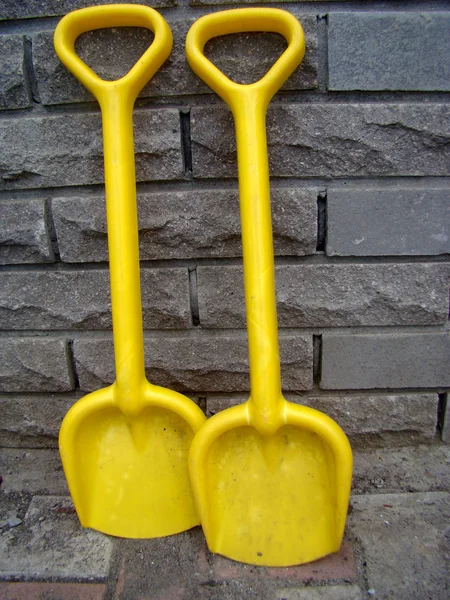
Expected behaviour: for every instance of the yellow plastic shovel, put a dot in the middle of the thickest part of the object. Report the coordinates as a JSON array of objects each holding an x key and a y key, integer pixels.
[
  {"x": 125, "y": 447},
  {"x": 271, "y": 479}
]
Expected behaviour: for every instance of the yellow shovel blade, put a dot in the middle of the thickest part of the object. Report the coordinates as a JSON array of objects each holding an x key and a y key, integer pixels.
[
  {"x": 274, "y": 500},
  {"x": 128, "y": 476}
]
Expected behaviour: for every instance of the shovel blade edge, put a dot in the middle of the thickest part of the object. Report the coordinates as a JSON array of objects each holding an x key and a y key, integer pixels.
[
  {"x": 128, "y": 476},
  {"x": 275, "y": 500}
]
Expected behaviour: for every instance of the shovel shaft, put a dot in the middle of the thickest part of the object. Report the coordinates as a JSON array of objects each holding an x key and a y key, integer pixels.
[
  {"x": 257, "y": 245},
  {"x": 248, "y": 104},
  {"x": 123, "y": 243},
  {"x": 116, "y": 99}
]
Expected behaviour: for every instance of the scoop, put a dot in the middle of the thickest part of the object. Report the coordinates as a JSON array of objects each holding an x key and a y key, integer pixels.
[
  {"x": 124, "y": 448},
  {"x": 271, "y": 478}
]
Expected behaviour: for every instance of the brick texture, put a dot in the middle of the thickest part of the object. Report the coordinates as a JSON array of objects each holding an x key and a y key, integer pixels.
[
  {"x": 24, "y": 235},
  {"x": 383, "y": 222},
  {"x": 185, "y": 224},
  {"x": 11, "y": 9},
  {"x": 34, "y": 416},
  {"x": 332, "y": 295},
  {"x": 385, "y": 361},
  {"x": 80, "y": 299},
  {"x": 67, "y": 149},
  {"x": 336, "y": 140},
  {"x": 361, "y": 414},
  {"x": 391, "y": 51},
  {"x": 61, "y": 591},
  {"x": 195, "y": 363},
  {"x": 34, "y": 364},
  {"x": 13, "y": 87}
]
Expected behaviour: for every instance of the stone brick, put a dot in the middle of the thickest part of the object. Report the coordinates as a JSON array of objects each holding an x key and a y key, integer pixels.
[
  {"x": 341, "y": 565},
  {"x": 377, "y": 414},
  {"x": 404, "y": 539},
  {"x": 12, "y": 9},
  {"x": 332, "y": 295},
  {"x": 326, "y": 592},
  {"x": 53, "y": 545},
  {"x": 113, "y": 52},
  {"x": 369, "y": 414},
  {"x": 390, "y": 51},
  {"x": 37, "y": 590},
  {"x": 32, "y": 471},
  {"x": 385, "y": 361},
  {"x": 13, "y": 88},
  {"x": 331, "y": 140},
  {"x": 24, "y": 237},
  {"x": 383, "y": 222},
  {"x": 66, "y": 149},
  {"x": 445, "y": 420},
  {"x": 408, "y": 469},
  {"x": 33, "y": 415},
  {"x": 195, "y": 363},
  {"x": 80, "y": 299},
  {"x": 231, "y": 2},
  {"x": 34, "y": 364},
  {"x": 185, "y": 224}
]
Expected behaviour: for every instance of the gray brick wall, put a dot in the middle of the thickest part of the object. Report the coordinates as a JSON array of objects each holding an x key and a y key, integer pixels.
[{"x": 359, "y": 161}]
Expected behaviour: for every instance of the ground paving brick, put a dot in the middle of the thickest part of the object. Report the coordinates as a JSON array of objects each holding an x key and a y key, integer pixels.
[
  {"x": 50, "y": 543},
  {"x": 405, "y": 544},
  {"x": 52, "y": 591}
]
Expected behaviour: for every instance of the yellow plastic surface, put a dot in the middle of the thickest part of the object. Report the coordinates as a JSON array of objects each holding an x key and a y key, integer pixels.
[
  {"x": 271, "y": 478},
  {"x": 124, "y": 448}
]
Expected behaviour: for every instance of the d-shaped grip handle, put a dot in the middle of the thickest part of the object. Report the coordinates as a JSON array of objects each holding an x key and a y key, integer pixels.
[
  {"x": 114, "y": 15},
  {"x": 239, "y": 21}
]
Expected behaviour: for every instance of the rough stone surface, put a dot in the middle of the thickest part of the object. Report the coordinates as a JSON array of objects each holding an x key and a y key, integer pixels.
[
  {"x": 181, "y": 567},
  {"x": 66, "y": 149},
  {"x": 12, "y": 9},
  {"x": 32, "y": 471},
  {"x": 383, "y": 470},
  {"x": 391, "y": 51},
  {"x": 445, "y": 431},
  {"x": 13, "y": 88},
  {"x": 113, "y": 53},
  {"x": 32, "y": 416},
  {"x": 385, "y": 361},
  {"x": 195, "y": 363},
  {"x": 51, "y": 543},
  {"x": 376, "y": 414},
  {"x": 24, "y": 237},
  {"x": 405, "y": 543},
  {"x": 409, "y": 469},
  {"x": 217, "y": 2},
  {"x": 383, "y": 222},
  {"x": 80, "y": 299},
  {"x": 60, "y": 591},
  {"x": 327, "y": 592},
  {"x": 38, "y": 364},
  {"x": 331, "y": 140},
  {"x": 332, "y": 295},
  {"x": 185, "y": 224},
  {"x": 358, "y": 415}
]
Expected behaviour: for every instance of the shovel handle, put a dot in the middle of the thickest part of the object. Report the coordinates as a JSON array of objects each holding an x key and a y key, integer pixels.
[
  {"x": 248, "y": 104},
  {"x": 116, "y": 99},
  {"x": 115, "y": 15},
  {"x": 239, "y": 21}
]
